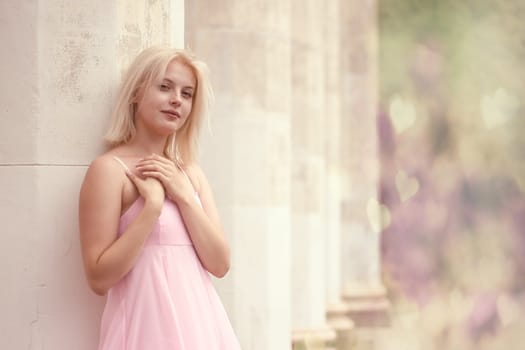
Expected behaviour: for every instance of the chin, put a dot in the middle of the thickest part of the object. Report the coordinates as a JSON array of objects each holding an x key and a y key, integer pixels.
[{"x": 167, "y": 130}]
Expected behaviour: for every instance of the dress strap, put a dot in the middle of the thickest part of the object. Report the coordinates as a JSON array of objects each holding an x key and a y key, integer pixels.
[{"x": 121, "y": 163}]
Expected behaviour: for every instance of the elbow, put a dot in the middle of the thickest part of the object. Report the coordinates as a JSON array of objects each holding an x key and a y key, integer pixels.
[
  {"x": 99, "y": 291},
  {"x": 221, "y": 273},
  {"x": 97, "y": 287},
  {"x": 98, "y": 280},
  {"x": 221, "y": 269}
]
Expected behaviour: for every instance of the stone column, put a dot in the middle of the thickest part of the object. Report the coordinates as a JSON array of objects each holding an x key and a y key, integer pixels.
[
  {"x": 363, "y": 290},
  {"x": 337, "y": 310},
  {"x": 308, "y": 177},
  {"x": 61, "y": 67},
  {"x": 247, "y": 157},
  {"x": 18, "y": 183}
]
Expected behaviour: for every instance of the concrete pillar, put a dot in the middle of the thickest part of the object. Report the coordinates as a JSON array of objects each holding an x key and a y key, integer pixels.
[
  {"x": 337, "y": 311},
  {"x": 331, "y": 138},
  {"x": 308, "y": 174},
  {"x": 247, "y": 157},
  {"x": 61, "y": 65},
  {"x": 363, "y": 290}
]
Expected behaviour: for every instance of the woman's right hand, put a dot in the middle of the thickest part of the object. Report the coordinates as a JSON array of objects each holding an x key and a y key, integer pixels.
[{"x": 149, "y": 188}]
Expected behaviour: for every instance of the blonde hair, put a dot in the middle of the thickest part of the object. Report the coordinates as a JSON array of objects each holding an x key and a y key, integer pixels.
[{"x": 148, "y": 66}]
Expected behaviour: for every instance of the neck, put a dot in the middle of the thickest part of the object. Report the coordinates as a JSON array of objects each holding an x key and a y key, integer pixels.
[{"x": 143, "y": 145}]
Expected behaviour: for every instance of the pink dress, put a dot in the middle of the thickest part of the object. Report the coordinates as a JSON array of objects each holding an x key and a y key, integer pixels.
[{"x": 167, "y": 301}]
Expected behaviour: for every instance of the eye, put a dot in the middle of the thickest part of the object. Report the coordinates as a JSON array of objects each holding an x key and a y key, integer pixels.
[
  {"x": 164, "y": 87},
  {"x": 187, "y": 94}
]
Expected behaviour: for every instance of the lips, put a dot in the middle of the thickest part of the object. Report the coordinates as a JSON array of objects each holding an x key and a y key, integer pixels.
[{"x": 171, "y": 113}]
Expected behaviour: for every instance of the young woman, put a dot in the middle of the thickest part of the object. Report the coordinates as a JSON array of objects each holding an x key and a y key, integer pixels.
[{"x": 149, "y": 228}]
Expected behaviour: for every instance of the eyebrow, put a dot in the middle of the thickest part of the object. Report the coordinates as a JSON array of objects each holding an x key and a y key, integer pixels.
[{"x": 173, "y": 83}]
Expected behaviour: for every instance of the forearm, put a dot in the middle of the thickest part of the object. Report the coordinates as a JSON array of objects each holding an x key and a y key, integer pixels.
[
  {"x": 120, "y": 257},
  {"x": 208, "y": 240}
]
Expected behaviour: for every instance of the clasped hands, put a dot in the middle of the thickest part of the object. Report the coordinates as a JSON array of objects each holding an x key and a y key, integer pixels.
[{"x": 170, "y": 174}]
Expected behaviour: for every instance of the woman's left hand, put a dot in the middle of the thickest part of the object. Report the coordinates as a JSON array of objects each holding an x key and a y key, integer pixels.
[{"x": 176, "y": 184}]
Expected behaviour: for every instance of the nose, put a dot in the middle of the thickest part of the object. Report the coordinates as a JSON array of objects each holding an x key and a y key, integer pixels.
[{"x": 175, "y": 99}]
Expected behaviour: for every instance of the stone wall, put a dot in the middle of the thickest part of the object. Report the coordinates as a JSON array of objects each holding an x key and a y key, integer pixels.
[{"x": 60, "y": 66}]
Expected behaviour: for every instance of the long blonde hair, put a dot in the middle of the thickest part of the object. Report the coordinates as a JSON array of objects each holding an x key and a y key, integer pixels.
[{"x": 148, "y": 66}]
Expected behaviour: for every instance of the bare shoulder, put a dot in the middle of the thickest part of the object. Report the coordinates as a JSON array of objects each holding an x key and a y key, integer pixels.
[
  {"x": 105, "y": 165},
  {"x": 103, "y": 173},
  {"x": 196, "y": 175},
  {"x": 195, "y": 169}
]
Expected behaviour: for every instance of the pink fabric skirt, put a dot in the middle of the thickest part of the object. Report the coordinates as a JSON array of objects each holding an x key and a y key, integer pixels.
[{"x": 167, "y": 301}]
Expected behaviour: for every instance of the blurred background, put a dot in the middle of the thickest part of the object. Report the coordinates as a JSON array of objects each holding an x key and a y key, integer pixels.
[{"x": 452, "y": 182}]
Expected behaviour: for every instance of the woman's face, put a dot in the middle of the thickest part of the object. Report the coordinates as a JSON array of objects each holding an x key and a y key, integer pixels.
[{"x": 164, "y": 107}]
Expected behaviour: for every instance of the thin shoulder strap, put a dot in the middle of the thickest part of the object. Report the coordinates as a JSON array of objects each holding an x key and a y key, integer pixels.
[{"x": 121, "y": 163}]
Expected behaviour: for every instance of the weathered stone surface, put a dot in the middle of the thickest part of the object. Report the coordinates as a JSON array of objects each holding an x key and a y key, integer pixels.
[
  {"x": 246, "y": 45},
  {"x": 59, "y": 76}
]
